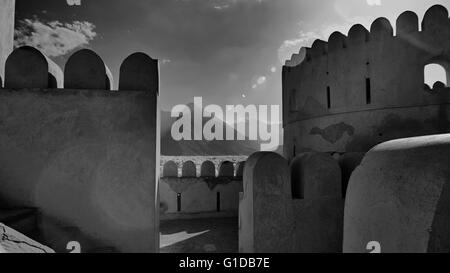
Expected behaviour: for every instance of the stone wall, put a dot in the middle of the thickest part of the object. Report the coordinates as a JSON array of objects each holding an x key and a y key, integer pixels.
[
  {"x": 358, "y": 90},
  {"x": 399, "y": 197},
  {"x": 85, "y": 156},
  {"x": 291, "y": 208},
  {"x": 191, "y": 191}
]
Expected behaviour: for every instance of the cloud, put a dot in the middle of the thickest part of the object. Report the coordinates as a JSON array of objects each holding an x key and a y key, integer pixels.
[
  {"x": 221, "y": 7},
  {"x": 306, "y": 39},
  {"x": 291, "y": 46},
  {"x": 374, "y": 2},
  {"x": 54, "y": 38}
]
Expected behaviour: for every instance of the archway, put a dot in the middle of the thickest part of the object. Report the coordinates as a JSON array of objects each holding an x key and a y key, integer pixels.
[{"x": 436, "y": 75}]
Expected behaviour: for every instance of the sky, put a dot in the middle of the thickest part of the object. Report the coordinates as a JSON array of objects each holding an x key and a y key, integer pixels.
[{"x": 229, "y": 52}]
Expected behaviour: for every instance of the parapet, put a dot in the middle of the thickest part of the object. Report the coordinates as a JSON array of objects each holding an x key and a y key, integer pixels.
[
  {"x": 337, "y": 41},
  {"x": 85, "y": 70},
  {"x": 437, "y": 17},
  {"x": 381, "y": 28},
  {"x": 226, "y": 169},
  {"x": 407, "y": 22},
  {"x": 135, "y": 70},
  {"x": 27, "y": 67},
  {"x": 358, "y": 34}
]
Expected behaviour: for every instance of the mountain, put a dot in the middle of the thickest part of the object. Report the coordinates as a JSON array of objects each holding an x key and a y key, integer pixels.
[{"x": 170, "y": 147}]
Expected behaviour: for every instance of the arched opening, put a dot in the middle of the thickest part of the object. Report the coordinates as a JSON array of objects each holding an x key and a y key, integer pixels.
[
  {"x": 189, "y": 169},
  {"x": 328, "y": 97},
  {"x": 170, "y": 169},
  {"x": 436, "y": 75},
  {"x": 226, "y": 169}
]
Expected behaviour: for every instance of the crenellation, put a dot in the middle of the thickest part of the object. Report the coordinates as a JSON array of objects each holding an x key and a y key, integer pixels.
[
  {"x": 337, "y": 42},
  {"x": 319, "y": 49},
  {"x": 189, "y": 169},
  {"x": 139, "y": 72},
  {"x": 26, "y": 67},
  {"x": 407, "y": 23},
  {"x": 84, "y": 69},
  {"x": 190, "y": 196},
  {"x": 206, "y": 169},
  {"x": 77, "y": 76},
  {"x": 364, "y": 74},
  {"x": 435, "y": 19},
  {"x": 357, "y": 35},
  {"x": 381, "y": 28}
]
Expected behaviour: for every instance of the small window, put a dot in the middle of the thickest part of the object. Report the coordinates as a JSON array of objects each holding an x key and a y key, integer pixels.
[
  {"x": 328, "y": 97},
  {"x": 368, "y": 91},
  {"x": 218, "y": 201},
  {"x": 179, "y": 202},
  {"x": 435, "y": 74}
]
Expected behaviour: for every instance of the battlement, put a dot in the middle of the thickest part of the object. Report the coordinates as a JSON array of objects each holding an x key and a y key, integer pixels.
[
  {"x": 207, "y": 169},
  {"x": 354, "y": 91},
  {"x": 190, "y": 188},
  {"x": 435, "y": 21},
  {"x": 27, "y": 68},
  {"x": 67, "y": 139}
]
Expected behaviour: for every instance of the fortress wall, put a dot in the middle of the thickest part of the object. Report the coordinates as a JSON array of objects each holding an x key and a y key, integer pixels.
[
  {"x": 394, "y": 65},
  {"x": 199, "y": 194},
  {"x": 85, "y": 158},
  {"x": 360, "y": 131},
  {"x": 274, "y": 218}
]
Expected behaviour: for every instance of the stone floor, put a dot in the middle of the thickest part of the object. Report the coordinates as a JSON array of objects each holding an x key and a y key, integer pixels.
[{"x": 211, "y": 235}]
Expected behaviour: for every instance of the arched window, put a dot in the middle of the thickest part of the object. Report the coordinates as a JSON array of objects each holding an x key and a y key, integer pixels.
[{"x": 435, "y": 74}]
